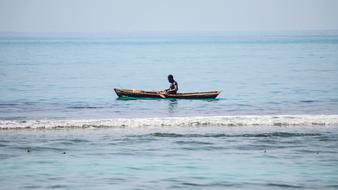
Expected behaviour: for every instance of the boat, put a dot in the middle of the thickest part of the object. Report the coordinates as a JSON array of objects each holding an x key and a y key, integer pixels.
[{"x": 161, "y": 94}]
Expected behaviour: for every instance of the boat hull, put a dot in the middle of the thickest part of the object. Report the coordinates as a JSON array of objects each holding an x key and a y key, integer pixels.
[{"x": 159, "y": 94}]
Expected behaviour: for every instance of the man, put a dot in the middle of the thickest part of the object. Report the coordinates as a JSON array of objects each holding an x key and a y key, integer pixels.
[{"x": 173, "y": 85}]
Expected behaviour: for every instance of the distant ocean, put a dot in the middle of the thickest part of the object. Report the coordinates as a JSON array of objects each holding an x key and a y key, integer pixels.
[
  {"x": 73, "y": 77},
  {"x": 275, "y": 124}
]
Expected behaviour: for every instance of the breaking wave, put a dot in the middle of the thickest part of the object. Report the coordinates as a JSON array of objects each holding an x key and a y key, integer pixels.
[{"x": 222, "y": 121}]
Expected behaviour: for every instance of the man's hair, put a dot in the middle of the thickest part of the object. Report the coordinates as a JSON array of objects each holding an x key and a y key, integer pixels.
[{"x": 170, "y": 76}]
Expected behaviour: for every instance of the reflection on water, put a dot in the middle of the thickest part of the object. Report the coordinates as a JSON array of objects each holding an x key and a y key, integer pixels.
[{"x": 172, "y": 106}]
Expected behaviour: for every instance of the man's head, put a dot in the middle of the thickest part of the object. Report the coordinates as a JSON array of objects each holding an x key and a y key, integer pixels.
[{"x": 171, "y": 78}]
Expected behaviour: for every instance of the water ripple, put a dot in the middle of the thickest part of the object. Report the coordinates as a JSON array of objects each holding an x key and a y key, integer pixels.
[{"x": 274, "y": 134}]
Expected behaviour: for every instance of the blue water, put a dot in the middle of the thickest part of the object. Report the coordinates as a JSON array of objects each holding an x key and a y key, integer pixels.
[
  {"x": 279, "y": 112},
  {"x": 170, "y": 158},
  {"x": 73, "y": 77}
]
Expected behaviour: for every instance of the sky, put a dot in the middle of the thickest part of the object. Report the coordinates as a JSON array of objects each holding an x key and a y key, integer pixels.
[{"x": 139, "y": 16}]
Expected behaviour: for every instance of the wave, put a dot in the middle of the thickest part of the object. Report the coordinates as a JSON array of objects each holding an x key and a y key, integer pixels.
[
  {"x": 274, "y": 134},
  {"x": 223, "y": 121}
]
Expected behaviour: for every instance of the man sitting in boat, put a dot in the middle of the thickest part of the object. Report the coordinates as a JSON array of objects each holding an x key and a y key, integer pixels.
[{"x": 173, "y": 85}]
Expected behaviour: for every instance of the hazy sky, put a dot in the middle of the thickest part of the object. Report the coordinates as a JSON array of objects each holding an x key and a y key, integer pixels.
[{"x": 98, "y": 16}]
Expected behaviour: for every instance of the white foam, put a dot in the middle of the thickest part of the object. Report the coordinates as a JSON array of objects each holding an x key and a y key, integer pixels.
[{"x": 257, "y": 120}]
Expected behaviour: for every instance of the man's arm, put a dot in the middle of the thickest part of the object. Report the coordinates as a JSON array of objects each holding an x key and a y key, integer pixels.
[{"x": 174, "y": 89}]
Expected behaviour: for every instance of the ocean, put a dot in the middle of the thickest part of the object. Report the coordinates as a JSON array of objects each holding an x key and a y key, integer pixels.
[{"x": 274, "y": 125}]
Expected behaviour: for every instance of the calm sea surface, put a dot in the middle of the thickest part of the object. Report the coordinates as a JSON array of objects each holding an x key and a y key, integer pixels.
[
  {"x": 68, "y": 77},
  {"x": 280, "y": 92}
]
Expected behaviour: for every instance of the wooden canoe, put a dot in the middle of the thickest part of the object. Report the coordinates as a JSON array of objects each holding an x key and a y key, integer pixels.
[{"x": 160, "y": 94}]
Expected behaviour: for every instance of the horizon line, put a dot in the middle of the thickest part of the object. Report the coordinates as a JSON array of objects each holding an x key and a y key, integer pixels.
[{"x": 16, "y": 33}]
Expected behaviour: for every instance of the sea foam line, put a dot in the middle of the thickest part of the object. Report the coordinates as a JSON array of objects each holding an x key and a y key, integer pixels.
[{"x": 252, "y": 120}]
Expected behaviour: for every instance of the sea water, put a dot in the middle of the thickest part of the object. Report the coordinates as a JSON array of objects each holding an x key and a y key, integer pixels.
[
  {"x": 258, "y": 74},
  {"x": 207, "y": 157},
  {"x": 275, "y": 124}
]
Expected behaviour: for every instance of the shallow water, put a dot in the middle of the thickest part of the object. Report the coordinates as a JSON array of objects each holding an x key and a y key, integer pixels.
[
  {"x": 73, "y": 77},
  {"x": 258, "y": 157}
]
